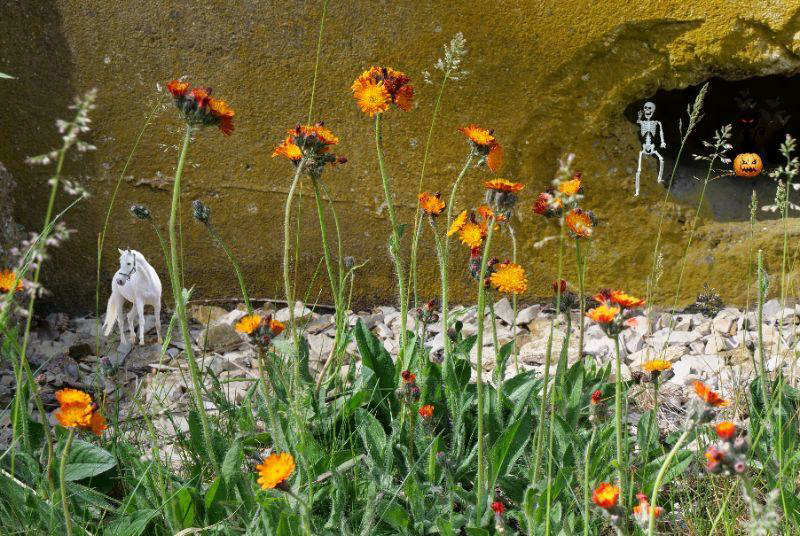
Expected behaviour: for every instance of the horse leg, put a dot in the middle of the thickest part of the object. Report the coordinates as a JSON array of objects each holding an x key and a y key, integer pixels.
[
  {"x": 121, "y": 323},
  {"x": 131, "y": 324},
  {"x": 139, "y": 304},
  {"x": 157, "y": 314}
]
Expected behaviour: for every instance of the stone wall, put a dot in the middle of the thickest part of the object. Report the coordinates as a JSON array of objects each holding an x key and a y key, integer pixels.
[{"x": 550, "y": 77}]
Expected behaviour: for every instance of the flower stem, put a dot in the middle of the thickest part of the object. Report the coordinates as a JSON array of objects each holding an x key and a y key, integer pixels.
[
  {"x": 551, "y": 427},
  {"x": 586, "y": 487},
  {"x": 480, "y": 482},
  {"x": 63, "y": 482},
  {"x": 581, "y": 296},
  {"x": 445, "y": 253},
  {"x": 180, "y": 305},
  {"x": 660, "y": 478},
  {"x": 514, "y": 299},
  {"x": 548, "y": 359},
  {"x": 618, "y": 415},
  {"x": 394, "y": 241},
  {"x": 287, "y": 235}
]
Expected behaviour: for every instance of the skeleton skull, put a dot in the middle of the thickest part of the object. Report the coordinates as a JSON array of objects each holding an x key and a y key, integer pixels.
[{"x": 649, "y": 108}]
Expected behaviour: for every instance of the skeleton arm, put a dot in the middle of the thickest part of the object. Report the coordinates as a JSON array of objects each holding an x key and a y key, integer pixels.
[{"x": 661, "y": 133}]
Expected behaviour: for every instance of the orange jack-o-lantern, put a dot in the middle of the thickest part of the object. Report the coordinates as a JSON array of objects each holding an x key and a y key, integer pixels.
[{"x": 747, "y": 164}]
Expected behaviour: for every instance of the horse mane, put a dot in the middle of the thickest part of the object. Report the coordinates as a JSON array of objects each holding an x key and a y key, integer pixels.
[{"x": 149, "y": 272}]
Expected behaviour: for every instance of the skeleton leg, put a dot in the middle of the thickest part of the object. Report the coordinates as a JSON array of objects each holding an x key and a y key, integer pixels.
[
  {"x": 139, "y": 303},
  {"x": 638, "y": 173},
  {"x": 131, "y": 323},
  {"x": 660, "y": 166}
]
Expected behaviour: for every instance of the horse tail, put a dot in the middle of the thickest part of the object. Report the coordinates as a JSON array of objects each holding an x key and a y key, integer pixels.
[{"x": 112, "y": 312}]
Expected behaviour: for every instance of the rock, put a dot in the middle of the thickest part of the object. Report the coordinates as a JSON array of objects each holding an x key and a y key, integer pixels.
[
  {"x": 206, "y": 314},
  {"x": 663, "y": 336},
  {"x": 724, "y": 323},
  {"x": 219, "y": 336},
  {"x": 383, "y": 331},
  {"x": 697, "y": 347},
  {"x": 43, "y": 351},
  {"x": 319, "y": 347},
  {"x": 682, "y": 323},
  {"x": 77, "y": 351},
  {"x": 526, "y": 315},
  {"x": 633, "y": 342},
  {"x": 624, "y": 369},
  {"x": 771, "y": 309},
  {"x": 639, "y": 324},
  {"x": 703, "y": 328},
  {"x": 504, "y": 311},
  {"x": 719, "y": 343},
  {"x": 369, "y": 320},
  {"x": 601, "y": 348},
  {"x": 301, "y": 313}
]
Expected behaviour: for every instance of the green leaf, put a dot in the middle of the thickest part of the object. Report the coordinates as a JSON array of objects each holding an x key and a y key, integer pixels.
[
  {"x": 471, "y": 531},
  {"x": 215, "y": 495},
  {"x": 185, "y": 508},
  {"x": 233, "y": 461},
  {"x": 196, "y": 434},
  {"x": 396, "y": 516},
  {"x": 444, "y": 526},
  {"x": 373, "y": 437},
  {"x": 509, "y": 447},
  {"x": 132, "y": 525},
  {"x": 377, "y": 368},
  {"x": 85, "y": 460}
]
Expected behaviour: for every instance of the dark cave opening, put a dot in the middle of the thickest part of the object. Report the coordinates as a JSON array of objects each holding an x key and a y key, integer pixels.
[{"x": 761, "y": 111}]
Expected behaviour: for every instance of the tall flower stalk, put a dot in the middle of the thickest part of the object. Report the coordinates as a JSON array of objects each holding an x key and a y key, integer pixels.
[{"x": 198, "y": 109}]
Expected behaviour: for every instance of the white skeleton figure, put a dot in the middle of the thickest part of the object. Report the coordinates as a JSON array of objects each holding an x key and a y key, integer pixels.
[
  {"x": 648, "y": 129},
  {"x": 135, "y": 281}
]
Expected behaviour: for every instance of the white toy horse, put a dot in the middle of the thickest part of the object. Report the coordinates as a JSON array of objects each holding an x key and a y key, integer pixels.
[{"x": 135, "y": 281}]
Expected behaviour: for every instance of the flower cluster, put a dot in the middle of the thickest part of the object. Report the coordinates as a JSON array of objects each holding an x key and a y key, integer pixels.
[
  {"x": 655, "y": 367},
  {"x": 427, "y": 313},
  {"x": 548, "y": 204},
  {"x": 562, "y": 200},
  {"x": 260, "y": 329},
  {"x": 275, "y": 471},
  {"x": 310, "y": 144},
  {"x": 78, "y": 411},
  {"x": 729, "y": 455},
  {"x": 501, "y": 195},
  {"x": 641, "y": 512},
  {"x": 408, "y": 393},
  {"x": 9, "y": 281},
  {"x": 201, "y": 212},
  {"x": 199, "y": 108},
  {"x": 598, "y": 410},
  {"x": 474, "y": 266},
  {"x": 606, "y": 496},
  {"x": 473, "y": 225},
  {"x": 580, "y": 222},
  {"x": 508, "y": 277},
  {"x": 703, "y": 409},
  {"x": 379, "y": 87},
  {"x": 614, "y": 311},
  {"x": 483, "y": 143},
  {"x": 141, "y": 212}
]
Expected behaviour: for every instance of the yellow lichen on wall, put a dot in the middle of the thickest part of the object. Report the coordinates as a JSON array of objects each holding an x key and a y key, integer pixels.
[{"x": 550, "y": 78}]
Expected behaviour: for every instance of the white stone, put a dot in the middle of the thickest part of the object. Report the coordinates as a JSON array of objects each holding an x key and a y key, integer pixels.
[
  {"x": 526, "y": 315},
  {"x": 301, "y": 312},
  {"x": 504, "y": 311},
  {"x": 771, "y": 309},
  {"x": 719, "y": 343},
  {"x": 682, "y": 323},
  {"x": 724, "y": 323},
  {"x": 663, "y": 336}
]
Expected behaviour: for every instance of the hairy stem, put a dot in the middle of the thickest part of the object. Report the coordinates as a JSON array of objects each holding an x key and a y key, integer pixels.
[{"x": 63, "y": 482}]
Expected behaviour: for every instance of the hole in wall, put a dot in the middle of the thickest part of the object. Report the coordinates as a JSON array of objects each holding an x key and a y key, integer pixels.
[{"x": 761, "y": 110}]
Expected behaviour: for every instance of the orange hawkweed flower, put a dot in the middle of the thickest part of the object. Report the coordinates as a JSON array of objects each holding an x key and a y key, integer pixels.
[
  {"x": 580, "y": 223},
  {"x": 431, "y": 203},
  {"x": 275, "y": 470},
  {"x": 472, "y": 234},
  {"x": 625, "y": 300},
  {"x": 484, "y": 142},
  {"x": 714, "y": 456},
  {"x": 570, "y": 187},
  {"x": 603, "y": 314},
  {"x": 479, "y": 136},
  {"x": 426, "y": 411},
  {"x": 378, "y": 87},
  {"x": 547, "y": 205},
  {"x": 503, "y": 185},
  {"x": 606, "y": 495},
  {"x": 289, "y": 150},
  {"x": 709, "y": 396},
  {"x": 177, "y": 88},
  {"x": 597, "y": 397},
  {"x": 7, "y": 281},
  {"x": 642, "y": 510},
  {"x": 656, "y": 365},
  {"x": 498, "y": 507},
  {"x": 725, "y": 430},
  {"x": 73, "y": 396},
  {"x": 97, "y": 424},
  {"x": 458, "y": 223},
  {"x": 276, "y": 327},
  {"x": 509, "y": 277},
  {"x": 248, "y": 324},
  {"x": 224, "y": 115},
  {"x": 199, "y": 108},
  {"x": 74, "y": 415},
  {"x": 408, "y": 376}
]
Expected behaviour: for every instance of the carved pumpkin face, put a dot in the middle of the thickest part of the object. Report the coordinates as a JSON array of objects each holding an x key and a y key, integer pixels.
[{"x": 747, "y": 164}]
